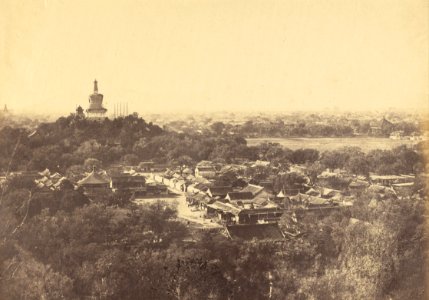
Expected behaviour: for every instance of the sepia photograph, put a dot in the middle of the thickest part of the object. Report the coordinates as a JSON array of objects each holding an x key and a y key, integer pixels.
[{"x": 214, "y": 149}]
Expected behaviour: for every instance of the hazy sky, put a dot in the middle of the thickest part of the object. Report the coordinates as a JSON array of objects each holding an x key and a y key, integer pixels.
[{"x": 214, "y": 55}]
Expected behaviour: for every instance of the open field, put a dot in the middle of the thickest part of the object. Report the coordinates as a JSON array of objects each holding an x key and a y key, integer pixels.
[{"x": 322, "y": 144}]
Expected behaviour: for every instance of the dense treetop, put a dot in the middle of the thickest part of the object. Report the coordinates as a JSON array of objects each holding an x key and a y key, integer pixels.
[{"x": 71, "y": 143}]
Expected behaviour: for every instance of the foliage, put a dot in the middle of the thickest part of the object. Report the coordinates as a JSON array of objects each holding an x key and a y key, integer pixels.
[
  {"x": 58, "y": 245},
  {"x": 292, "y": 181},
  {"x": 370, "y": 252},
  {"x": 134, "y": 252},
  {"x": 70, "y": 141}
]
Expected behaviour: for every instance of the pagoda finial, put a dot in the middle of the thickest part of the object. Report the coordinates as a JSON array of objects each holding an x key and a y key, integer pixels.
[{"x": 95, "y": 86}]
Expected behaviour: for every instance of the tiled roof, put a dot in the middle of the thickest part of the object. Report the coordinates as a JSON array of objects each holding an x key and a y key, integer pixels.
[
  {"x": 358, "y": 184},
  {"x": 205, "y": 163},
  {"x": 252, "y": 188},
  {"x": 187, "y": 171},
  {"x": 93, "y": 178},
  {"x": 56, "y": 185},
  {"x": 317, "y": 201},
  {"x": 201, "y": 186},
  {"x": 45, "y": 172},
  {"x": 219, "y": 191},
  {"x": 311, "y": 200},
  {"x": 312, "y": 192},
  {"x": 225, "y": 207},
  {"x": 56, "y": 176},
  {"x": 190, "y": 177},
  {"x": 261, "y": 210},
  {"x": 44, "y": 179},
  {"x": 128, "y": 178},
  {"x": 239, "y": 195},
  {"x": 206, "y": 168},
  {"x": 404, "y": 184}
]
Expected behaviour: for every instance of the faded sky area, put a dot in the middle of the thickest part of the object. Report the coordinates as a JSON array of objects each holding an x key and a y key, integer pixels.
[{"x": 214, "y": 55}]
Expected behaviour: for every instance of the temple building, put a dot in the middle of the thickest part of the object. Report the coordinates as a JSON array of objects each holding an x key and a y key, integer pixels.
[
  {"x": 96, "y": 109},
  {"x": 95, "y": 184}
]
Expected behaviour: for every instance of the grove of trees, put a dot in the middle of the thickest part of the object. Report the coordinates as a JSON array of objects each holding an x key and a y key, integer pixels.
[{"x": 373, "y": 250}]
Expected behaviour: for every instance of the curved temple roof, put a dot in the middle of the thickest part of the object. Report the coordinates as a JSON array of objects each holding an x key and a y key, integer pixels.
[{"x": 93, "y": 178}]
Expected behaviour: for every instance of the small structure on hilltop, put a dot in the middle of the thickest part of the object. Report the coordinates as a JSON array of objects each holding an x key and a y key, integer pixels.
[
  {"x": 96, "y": 110},
  {"x": 5, "y": 111},
  {"x": 79, "y": 112}
]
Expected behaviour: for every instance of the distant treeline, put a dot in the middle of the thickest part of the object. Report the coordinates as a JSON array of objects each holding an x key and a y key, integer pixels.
[
  {"x": 344, "y": 128},
  {"x": 303, "y": 126},
  {"x": 70, "y": 143}
]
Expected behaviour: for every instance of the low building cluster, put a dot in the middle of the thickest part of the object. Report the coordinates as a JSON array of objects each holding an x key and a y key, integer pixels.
[
  {"x": 233, "y": 195},
  {"x": 227, "y": 194},
  {"x": 132, "y": 183},
  {"x": 48, "y": 181},
  {"x": 96, "y": 184}
]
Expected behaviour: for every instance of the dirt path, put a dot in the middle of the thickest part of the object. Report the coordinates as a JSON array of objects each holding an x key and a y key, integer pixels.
[{"x": 183, "y": 210}]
